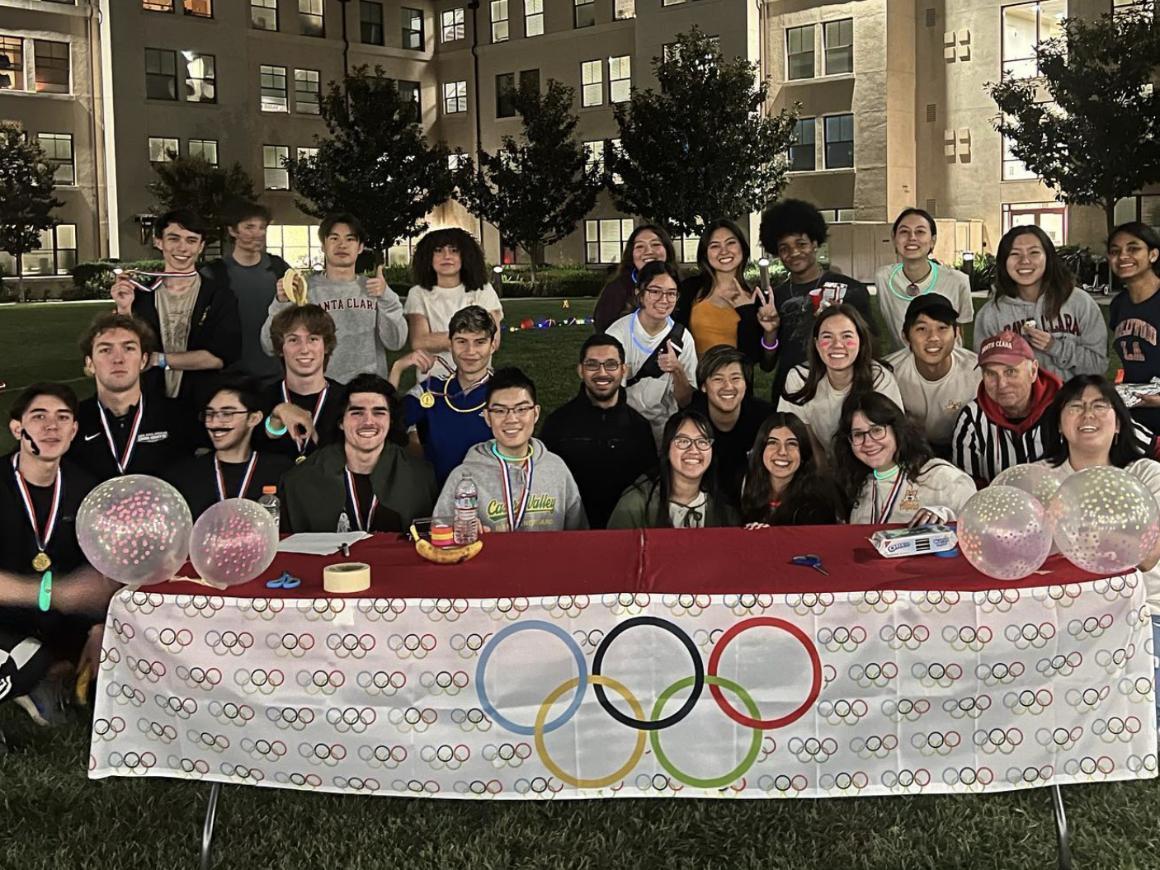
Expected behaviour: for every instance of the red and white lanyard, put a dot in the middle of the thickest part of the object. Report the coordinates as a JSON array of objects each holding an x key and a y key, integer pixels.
[
  {"x": 363, "y": 525},
  {"x": 132, "y": 275},
  {"x": 221, "y": 481},
  {"x": 50, "y": 526},
  {"x": 122, "y": 461},
  {"x": 318, "y": 403},
  {"x": 515, "y": 516},
  {"x": 880, "y": 516}
]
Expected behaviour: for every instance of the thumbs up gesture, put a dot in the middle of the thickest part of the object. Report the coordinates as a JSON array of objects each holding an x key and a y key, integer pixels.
[
  {"x": 377, "y": 284},
  {"x": 667, "y": 358}
]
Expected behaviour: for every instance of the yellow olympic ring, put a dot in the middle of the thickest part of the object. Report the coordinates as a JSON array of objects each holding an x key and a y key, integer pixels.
[{"x": 542, "y": 716}]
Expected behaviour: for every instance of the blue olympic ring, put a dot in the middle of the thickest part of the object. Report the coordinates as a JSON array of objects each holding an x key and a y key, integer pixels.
[{"x": 485, "y": 657}]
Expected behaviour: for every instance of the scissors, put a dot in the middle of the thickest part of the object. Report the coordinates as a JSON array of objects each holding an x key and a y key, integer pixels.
[
  {"x": 810, "y": 560},
  {"x": 286, "y": 581}
]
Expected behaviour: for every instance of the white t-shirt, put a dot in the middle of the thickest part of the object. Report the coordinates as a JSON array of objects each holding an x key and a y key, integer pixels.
[
  {"x": 936, "y": 404},
  {"x": 652, "y": 397},
  {"x": 940, "y": 488},
  {"x": 823, "y": 412},
  {"x": 893, "y": 300},
  {"x": 440, "y": 304}
]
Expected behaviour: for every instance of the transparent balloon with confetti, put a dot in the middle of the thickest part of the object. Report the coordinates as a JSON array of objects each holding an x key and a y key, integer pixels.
[
  {"x": 134, "y": 529},
  {"x": 1105, "y": 520},
  {"x": 1041, "y": 481},
  {"x": 1004, "y": 533},
  {"x": 233, "y": 542}
]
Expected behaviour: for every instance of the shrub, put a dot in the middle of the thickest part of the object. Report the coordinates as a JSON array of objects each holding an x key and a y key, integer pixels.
[{"x": 93, "y": 279}]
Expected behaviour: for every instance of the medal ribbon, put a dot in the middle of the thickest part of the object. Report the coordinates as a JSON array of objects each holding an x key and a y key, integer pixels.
[
  {"x": 126, "y": 457},
  {"x": 318, "y": 403},
  {"x": 133, "y": 274},
  {"x": 221, "y": 481},
  {"x": 891, "y": 500},
  {"x": 352, "y": 491},
  {"x": 515, "y": 517},
  {"x": 30, "y": 509}
]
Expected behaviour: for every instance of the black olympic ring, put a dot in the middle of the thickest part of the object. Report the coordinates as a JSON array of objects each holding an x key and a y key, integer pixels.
[{"x": 698, "y": 674}]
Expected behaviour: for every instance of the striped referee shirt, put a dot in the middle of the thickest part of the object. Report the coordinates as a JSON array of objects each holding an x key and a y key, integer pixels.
[{"x": 982, "y": 448}]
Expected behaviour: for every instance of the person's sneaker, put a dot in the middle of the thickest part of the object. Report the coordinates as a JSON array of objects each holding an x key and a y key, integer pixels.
[{"x": 44, "y": 704}]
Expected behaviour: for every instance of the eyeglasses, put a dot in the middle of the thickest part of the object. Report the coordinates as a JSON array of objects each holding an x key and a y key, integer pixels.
[
  {"x": 595, "y": 365},
  {"x": 226, "y": 417},
  {"x": 684, "y": 442},
  {"x": 520, "y": 412},
  {"x": 656, "y": 292},
  {"x": 874, "y": 433},
  {"x": 1098, "y": 406}
]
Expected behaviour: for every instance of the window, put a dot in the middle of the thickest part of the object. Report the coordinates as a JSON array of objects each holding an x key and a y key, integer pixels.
[
  {"x": 846, "y": 215},
  {"x": 409, "y": 93},
  {"x": 206, "y": 149},
  {"x": 839, "y": 131},
  {"x": 451, "y": 25},
  {"x": 613, "y": 148},
  {"x": 412, "y": 28},
  {"x": 1013, "y": 168},
  {"x": 56, "y": 255},
  {"x": 11, "y": 63},
  {"x": 58, "y": 150},
  {"x": 162, "y": 149},
  {"x": 530, "y": 80},
  {"x": 591, "y": 83},
  {"x": 619, "y": 78},
  {"x": 198, "y": 8},
  {"x": 1024, "y": 26},
  {"x": 157, "y": 5},
  {"x": 672, "y": 2},
  {"x": 595, "y": 152},
  {"x": 839, "y": 39},
  {"x": 264, "y": 14},
  {"x": 307, "y": 153},
  {"x": 454, "y": 98},
  {"x": 1051, "y": 217},
  {"x": 456, "y": 161},
  {"x": 275, "y": 174},
  {"x": 273, "y": 84},
  {"x": 533, "y": 17},
  {"x": 310, "y": 18},
  {"x": 622, "y": 9},
  {"x": 297, "y": 244},
  {"x": 499, "y": 20},
  {"x": 604, "y": 239},
  {"x": 160, "y": 74},
  {"x": 307, "y": 91},
  {"x": 370, "y": 17},
  {"x": 52, "y": 67},
  {"x": 584, "y": 13},
  {"x": 200, "y": 81},
  {"x": 802, "y": 157},
  {"x": 1144, "y": 208},
  {"x": 505, "y": 91},
  {"x": 799, "y": 52}
]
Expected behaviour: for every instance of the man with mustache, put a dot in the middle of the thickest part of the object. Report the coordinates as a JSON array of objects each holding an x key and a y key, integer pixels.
[{"x": 605, "y": 443}]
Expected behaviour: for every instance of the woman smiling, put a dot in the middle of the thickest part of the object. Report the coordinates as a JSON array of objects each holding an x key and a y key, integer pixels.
[{"x": 785, "y": 484}]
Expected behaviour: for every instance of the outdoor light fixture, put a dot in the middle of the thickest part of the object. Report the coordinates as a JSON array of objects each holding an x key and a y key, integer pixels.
[{"x": 763, "y": 265}]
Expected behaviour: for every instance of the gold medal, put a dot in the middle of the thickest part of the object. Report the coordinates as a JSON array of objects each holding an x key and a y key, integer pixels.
[
  {"x": 301, "y": 458},
  {"x": 41, "y": 562},
  {"x": 427, "y": 399}
]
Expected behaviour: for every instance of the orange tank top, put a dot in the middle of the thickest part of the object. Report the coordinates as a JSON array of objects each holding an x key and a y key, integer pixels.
[{"x": 712, "y": 325}]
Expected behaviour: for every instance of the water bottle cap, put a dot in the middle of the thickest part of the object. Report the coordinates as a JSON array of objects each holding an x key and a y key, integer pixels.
[{"x": 269, "y": 490}]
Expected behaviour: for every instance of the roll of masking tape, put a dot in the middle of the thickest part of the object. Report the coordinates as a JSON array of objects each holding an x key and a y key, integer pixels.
[{"x": 346, "y": 577}]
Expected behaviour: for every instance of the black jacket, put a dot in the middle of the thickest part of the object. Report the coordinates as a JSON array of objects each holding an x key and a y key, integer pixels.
[{"x": 605, "y": 449}]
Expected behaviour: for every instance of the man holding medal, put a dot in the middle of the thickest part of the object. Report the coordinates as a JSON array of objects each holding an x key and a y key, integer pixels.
[
  {"x": 446, "y": 418},
  {"x": 522, "y": 486},
  {"x": 233, "y": 469},
  {"x": 121, "y": 431},
  {"x": 367, "y": 482}
]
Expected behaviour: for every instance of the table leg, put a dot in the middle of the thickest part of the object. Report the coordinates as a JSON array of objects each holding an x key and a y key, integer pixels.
[
  {"x": 215, "y": 791},
  {"x": 1061, "y": 828}
]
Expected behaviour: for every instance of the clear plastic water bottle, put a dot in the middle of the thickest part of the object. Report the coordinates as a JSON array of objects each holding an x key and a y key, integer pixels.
[
  {"x": 269, "y": 500},
  {"x": 466, "y": 526}
]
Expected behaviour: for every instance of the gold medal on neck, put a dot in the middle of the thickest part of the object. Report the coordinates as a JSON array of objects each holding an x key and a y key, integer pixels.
[
  {"x": 300, "y": 459},
  {"x": 41, "y": 562},
  {"x": 427, "y": 399}
]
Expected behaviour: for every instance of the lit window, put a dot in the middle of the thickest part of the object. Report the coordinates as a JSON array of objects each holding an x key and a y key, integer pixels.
[
  {"x": 619, "y": 78},
  {"x": 57, "y": 254},
  {"x": 622, "y": 9},
  {"x": 58, "y": 150},
  {"x": 198, "y": 8},
  {"x": 273, "y": 85},
  {"x": 205, "y": 149},
  {"x": 604, "y": 239},
  {"x": 1025, "y": 25},
  {"x": 591, "y": 83},
  {"x": 533, "y": 17},
  {"x": 454, "y": 98},
  {"x": 162, "y": 149},
  {"x": 297, "y": 244},
  {"x": 499, "y": 21},
  {"x": 307, "y": 91},
  {"x": 595, "y": 152},
  {"x": 451, "y": 25},
  {"x": 275, "y": 174},
  {"x": 200, "y": 81},
  {"x": 310, "y": 17},
  {"x": 264, "y": 14},
  {"x": 11, "y": 63}
]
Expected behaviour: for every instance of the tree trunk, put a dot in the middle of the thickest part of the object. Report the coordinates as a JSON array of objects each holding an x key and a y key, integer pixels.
[{"x": 1110, "y": 215}]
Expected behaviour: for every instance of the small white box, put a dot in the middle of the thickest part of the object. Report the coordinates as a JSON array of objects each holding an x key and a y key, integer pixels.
[{"x": 921, "y": 540}]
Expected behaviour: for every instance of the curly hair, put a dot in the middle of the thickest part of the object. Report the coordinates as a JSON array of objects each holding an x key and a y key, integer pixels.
[
  {"x": 791, "y": 217},
  {"x": 472, "y": 268},
  {"x": 912, "y": 450}
]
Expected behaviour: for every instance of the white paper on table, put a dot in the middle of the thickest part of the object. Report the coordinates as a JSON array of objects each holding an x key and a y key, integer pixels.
[{"x": 320, "y": 543}]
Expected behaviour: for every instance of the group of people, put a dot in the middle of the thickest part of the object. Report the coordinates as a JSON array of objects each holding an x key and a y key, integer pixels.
[{"x": 214, "y": 378}]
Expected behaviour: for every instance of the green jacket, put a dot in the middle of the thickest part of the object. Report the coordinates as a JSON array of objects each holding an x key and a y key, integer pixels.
[
  {"x": 638, "y": 506},
  {"x": 314, "y": 493}
]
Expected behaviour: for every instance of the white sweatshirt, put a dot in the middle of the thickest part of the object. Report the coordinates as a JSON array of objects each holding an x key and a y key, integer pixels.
[{"x": 940, "y": 488}]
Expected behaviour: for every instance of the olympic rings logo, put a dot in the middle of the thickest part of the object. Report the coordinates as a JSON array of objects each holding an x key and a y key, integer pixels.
[
  {"x": 648, "y": 727},
  {"x": 1136, "y": 763},
  {"x": 1064, "y": 665},
  {"x": 967, "y": 637},
  {"x": 382, "y": 609},
  {"x": 173, "y": 640},
  {"x": 449, "y": 609},
  {"x": 1088, "y": 699},
  {"x": 261, "y": 608},
  {"x": 1000, "y": 600}
]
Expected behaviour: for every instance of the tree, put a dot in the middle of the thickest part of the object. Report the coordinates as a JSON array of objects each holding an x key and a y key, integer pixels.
[
  {"x": 26, "y": 198},
  {"x": 1088, "y": 125},
  {"x": 210, "y": 191},
  {"x": 537, "y": 190},
  {"x": 375, "y": 163},
  {"x": 701, "y": 147}
]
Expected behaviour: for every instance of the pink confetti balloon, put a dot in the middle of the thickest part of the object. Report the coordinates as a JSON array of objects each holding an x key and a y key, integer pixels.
[
  {"x": 1106, "y": 521},
  {"x": 135, "y": 529},
  {"x": 1004, "y": 533},
  {"x": 1041, "y": 481},
  {"x": 233, "y": 542}
]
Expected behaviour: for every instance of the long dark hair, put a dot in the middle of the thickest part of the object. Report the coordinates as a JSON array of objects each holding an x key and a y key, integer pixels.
[
  {"x": 472, "y": 268},
  {"x": 912, "y": 450},
  {"x": 1145, "y": 234},
  {"x": 811, "y": 493},
  {"x": 1126, "y": 447},
  {"x": 662, "y": 484},
  {"x": 864, "y": 364},
  {"x": 705, "y": 275},
  {"x": 626, "y": 267},
  {"x": 1058, "y": 281}
]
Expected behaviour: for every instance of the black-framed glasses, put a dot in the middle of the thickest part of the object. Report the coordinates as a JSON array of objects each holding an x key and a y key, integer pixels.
[
  {"x": 520, "y": 412},
  {"x": 595, "y": 365},
  {"x": 877, "y": 432},
  {"x": 658, "y": 293},
  {"x": 226, "y": 415},
  {"x": 684, "y": 442}
]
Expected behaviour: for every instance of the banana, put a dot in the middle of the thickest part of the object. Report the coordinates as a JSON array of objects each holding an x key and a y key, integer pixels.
[
  {"x": 81, "y": 689},
  {"x": 294, "y": 284},
  {"x": 449, "y": 555}
]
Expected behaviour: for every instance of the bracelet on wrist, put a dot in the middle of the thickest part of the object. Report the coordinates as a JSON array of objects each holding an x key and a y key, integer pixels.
[
  {"x": 272, "y": 431},
  {"x": 44, "y": 600}
]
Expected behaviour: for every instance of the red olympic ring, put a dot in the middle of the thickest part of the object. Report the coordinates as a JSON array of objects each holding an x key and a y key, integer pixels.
[{"x": 803, "y": 639}]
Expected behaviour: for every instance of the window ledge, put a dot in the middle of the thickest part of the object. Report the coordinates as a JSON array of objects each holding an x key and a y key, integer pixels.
[
  {"x": 26, "y": 94},
  {"x": 804, "y": 173},
  {"x": 836, "y": 77}
]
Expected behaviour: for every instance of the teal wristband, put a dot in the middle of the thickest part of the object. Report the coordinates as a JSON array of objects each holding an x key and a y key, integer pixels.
[
  {"x": 45, "y": 600},
  {"x": 275, "y": 433}
]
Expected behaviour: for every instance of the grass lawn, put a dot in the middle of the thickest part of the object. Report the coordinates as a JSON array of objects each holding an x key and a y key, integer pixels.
[{"x": 52, "y": 816}]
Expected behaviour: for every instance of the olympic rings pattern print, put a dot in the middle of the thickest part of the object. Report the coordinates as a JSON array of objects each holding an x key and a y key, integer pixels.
[{"x": 763, "y": 696}]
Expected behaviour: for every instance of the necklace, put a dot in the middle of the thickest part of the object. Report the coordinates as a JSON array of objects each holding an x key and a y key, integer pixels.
[
  {"x": 912, "y": 288},
  {"x": 632, "y": 324},
  {"x": 427, "y": 397},
  {"x": 885, "y": 475}
]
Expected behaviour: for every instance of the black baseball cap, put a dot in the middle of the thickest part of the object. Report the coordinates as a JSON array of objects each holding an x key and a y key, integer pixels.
[{"x": 933, "y": 305}]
